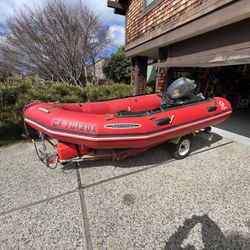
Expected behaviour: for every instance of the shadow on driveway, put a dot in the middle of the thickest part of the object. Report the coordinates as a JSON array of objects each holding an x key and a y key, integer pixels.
[
  {"x": 154, "y": 156},
  {"x": 212, "y": 236}
]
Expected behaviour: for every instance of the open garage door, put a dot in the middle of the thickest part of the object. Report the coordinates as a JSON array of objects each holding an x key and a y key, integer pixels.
[
  {"x": 231, "y": 82},
  {"x": 221, "y": 58},
  {"x": 234, "y": 84},
  {"x": 229, "y": 55}
]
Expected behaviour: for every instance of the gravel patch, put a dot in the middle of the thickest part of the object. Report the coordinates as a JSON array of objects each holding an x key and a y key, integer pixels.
[
  {"x": 56, "y": 224},
  {"x": 149, "y": 201},
  {"x": 24, "y": 179},
  {"x": 202, "y": 201}
]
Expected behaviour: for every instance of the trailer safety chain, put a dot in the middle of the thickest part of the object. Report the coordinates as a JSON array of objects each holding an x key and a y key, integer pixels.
[{"x": 45, "y": 157}]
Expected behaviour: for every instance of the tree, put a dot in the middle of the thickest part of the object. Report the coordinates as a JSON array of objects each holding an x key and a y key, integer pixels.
[
  {"x": 118, "y": 67},
  {"x": 56, "y": 41}
]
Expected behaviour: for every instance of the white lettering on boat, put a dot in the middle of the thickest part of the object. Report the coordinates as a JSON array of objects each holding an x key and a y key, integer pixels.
[
  {"x": 74, "y": 125},
  {"x": 123, "y": 125},
  {"x": 222, "y": 104}
]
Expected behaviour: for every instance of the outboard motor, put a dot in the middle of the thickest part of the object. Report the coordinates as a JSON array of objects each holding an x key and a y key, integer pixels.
[
  {"x": 182, "y": 87},
  {"x": 180, "y": 92}
]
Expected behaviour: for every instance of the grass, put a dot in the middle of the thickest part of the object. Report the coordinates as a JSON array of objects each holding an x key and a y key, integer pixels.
[{"x": 10, "y": 132}]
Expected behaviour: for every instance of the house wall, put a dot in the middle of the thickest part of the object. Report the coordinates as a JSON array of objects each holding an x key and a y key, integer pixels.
[
  {"x": 99, "y": 69},
  {"x": 185, "y": 33},
  {"x": 144, "y": 24}
]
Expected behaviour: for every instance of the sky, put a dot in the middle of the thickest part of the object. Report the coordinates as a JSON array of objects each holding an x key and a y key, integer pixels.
[{"x": 107, "y": 16}]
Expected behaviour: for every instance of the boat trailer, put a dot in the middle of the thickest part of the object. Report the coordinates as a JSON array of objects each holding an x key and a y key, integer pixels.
[{"x": 47, "y": 149}]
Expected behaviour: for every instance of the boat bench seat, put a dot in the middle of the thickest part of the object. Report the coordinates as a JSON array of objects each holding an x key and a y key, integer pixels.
[{"x": 136, "y": 104}]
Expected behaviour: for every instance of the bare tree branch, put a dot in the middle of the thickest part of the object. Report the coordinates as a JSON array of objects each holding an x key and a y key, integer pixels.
[{"x": 56, "y": 41}]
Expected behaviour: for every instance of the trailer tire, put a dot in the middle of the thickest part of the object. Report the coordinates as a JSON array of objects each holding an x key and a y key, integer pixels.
[
  {"x": 183, "y": 148},
  {"x": 208, "y": 130}
]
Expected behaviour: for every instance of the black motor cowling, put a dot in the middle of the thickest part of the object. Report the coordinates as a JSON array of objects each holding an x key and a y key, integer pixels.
[{"x": 180, "y": 88}]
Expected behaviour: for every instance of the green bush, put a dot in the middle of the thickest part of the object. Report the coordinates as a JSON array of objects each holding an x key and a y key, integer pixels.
[
  {"x": 15, "y": 93},
  {"x": 3, "y": 74},
  {"x": 107, "y": 91}
]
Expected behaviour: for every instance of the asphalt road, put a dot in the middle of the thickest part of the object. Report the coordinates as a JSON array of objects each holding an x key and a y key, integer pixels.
[{"x": 150, "y": 201}]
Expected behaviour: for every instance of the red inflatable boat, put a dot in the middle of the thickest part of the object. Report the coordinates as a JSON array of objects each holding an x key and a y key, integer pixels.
[{"x": 127, "y": 123}]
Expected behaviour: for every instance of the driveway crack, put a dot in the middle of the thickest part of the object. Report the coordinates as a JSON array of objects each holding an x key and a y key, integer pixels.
[
  {"x": 37, "y": 202},
  {"x": 84, "y": 211}
]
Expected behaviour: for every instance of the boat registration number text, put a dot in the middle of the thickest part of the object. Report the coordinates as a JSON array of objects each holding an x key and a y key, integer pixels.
[{"x": 75, "y": 125}]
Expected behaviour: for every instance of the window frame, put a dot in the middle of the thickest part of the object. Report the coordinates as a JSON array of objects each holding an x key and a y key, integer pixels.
[
  {"x": 147, "y": 9},
  {"x": 147, "y": 6}
]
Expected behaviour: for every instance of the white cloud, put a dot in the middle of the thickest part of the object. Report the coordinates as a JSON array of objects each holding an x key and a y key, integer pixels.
[
  {"x": 115, "y": 22},
  {"x": 99, "y": 7},
  {"x": 117, "y": 34},
  {"x": 8, "y": 7}
]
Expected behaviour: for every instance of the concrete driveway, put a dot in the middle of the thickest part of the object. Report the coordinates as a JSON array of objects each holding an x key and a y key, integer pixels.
[{"x": 150, "y": 201}]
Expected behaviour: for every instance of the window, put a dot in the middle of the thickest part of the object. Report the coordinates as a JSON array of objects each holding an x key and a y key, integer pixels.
[
  {"x": 148, "y": 2},
  {"x": 148, "y": 5}
]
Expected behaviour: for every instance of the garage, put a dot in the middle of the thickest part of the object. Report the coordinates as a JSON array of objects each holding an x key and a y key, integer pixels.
[
  {"x": 220, "y": 64},
  {"x": 231, "y": 82},
  {"x": 207, "y": 41}
]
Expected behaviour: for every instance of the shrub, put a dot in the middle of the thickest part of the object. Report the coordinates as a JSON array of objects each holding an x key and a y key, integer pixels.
[
  {"x": 15, "y": 93},
  {"x": 4, "y": 74},
  {"x": 107, "y": 91}
]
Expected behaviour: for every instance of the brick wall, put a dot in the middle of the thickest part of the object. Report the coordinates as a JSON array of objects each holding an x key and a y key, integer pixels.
[
  {"x": 161, "y": 80},
  {"x": 139, "y": 24},
  {"x": 139, "y": 74}
]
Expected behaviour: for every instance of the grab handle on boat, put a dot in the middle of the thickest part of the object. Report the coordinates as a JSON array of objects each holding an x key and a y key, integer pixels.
[
  {"x": 43, "y": 109},
  {"x": 212, "y": 108},
  {"x": 163, "y": 121}
]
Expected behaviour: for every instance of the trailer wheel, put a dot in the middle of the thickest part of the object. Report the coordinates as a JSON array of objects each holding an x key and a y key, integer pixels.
[
  {"x": 207, "y": 130},
  {"x": 183, "y": 148}
]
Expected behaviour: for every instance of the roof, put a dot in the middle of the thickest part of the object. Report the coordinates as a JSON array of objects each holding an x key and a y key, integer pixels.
[{"x": 119, "y": 6}]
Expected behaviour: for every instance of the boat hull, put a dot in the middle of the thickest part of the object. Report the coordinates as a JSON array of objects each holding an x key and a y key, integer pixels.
[{"x": 75, "y": 124}]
